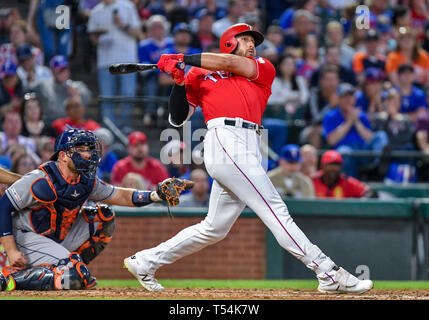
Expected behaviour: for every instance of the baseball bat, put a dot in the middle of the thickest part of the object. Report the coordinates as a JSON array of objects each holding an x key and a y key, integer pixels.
[{"x": 122, "y": 68}]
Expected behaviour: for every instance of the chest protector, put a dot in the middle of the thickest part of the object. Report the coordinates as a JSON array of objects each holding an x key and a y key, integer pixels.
[{"x": 61, "y": 202}]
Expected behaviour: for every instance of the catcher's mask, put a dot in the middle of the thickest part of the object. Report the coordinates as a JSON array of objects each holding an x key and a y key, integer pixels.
[{"x": 70, "y": 140}]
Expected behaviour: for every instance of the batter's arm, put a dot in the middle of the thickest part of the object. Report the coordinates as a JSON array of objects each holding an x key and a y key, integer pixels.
[
  {"x": 7, "y": 177},
  {"x": 238, "y": 65}
]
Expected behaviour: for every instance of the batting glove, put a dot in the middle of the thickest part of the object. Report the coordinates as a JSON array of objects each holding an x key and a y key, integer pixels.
[{"x": 168, "y": 57}]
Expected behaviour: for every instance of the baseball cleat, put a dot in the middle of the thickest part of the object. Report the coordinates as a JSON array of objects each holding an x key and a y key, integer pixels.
[
  {"x": 344, "y": 282},
  {"x": 147, "y": 280}
]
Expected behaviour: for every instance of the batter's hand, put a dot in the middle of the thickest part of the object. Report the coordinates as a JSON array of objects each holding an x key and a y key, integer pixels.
[
  {"x": 169, "y": 65},
  {"x": 162, "y": 62}
]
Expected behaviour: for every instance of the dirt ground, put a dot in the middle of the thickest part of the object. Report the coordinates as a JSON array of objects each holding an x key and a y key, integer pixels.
[{"x": 219, "y": 294}]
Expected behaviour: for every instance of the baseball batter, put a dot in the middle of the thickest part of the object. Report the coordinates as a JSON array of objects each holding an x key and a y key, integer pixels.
[
  {"x": 48, "y": 237},
  {"x": 233, "y": 88}
]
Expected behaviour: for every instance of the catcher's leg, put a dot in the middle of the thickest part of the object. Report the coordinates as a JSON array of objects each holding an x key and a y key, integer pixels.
[
  {"x": 70, "y": 273},
  {"x": 223, "y": 211},
  {"x": 92, "y": 231}
]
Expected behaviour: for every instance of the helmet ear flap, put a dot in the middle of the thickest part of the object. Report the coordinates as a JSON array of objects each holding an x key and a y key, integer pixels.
[{"x": 230, "y": 45}]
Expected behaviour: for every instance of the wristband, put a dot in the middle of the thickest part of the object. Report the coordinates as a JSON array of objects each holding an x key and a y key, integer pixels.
[
  {"x": 193, "y": 60},
  {"x": 141, "y": 198}
]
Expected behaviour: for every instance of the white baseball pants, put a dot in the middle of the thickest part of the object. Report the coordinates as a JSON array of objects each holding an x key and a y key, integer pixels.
[{"x": 232, "y": 158}]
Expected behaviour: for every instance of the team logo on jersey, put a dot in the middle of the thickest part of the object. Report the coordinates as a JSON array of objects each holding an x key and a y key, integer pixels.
[{"x": 75, "y": 194}]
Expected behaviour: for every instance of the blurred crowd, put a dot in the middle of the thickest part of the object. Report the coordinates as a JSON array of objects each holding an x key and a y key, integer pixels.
[{"x": 341, "y": 89}]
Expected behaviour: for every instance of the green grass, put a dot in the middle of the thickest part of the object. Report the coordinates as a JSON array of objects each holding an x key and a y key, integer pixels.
[{"x": 259, "y": 284}]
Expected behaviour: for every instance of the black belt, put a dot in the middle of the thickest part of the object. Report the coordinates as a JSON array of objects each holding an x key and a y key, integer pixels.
[{"x": 246, "y": 125}]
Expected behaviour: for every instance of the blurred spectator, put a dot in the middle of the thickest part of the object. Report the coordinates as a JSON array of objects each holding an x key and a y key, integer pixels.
[
  {"x": 11, "y": 91},
  {"x": 347, "y": 128},
  {"x": 370, "y": 58},
  {"x": 275, "y": 37},
  {"x": 75, "y": 112},
  {"x": 378, "y": 8},
  {"x": 413, "y": 99},
  {"x": 182, "y": 40},
  {"x": 18, "y": 35},
  {"x": 286, "y": 18},
  {"x": 289, "y": 89},
  {"x": 330, "y": 181},
  {"x": 134, "y": 181},
  {"x": 172, "y": 10},
  {"x": 11, "y": 135},
  {"x": 310, "y": 60},
  {"x": 287, "y": 178},
  {"x": 172, "y": 157},
  {"x": 113, "y": 26},
  {"x": 139, "y": 161},
  {"x": 199, "y": 194},
  {"x": 24, "y": 164},
  {"x": 387, "y": 42},
  {"x": 235, "y": 11},
  {"x": 204, "y": 36},
  {"x": 54, "y": 91},
  {"x": 332, "y": 56},
  {"x": 214, "y": 7},
  {"x": 323, "y": 98},
  {"x": 149, "y": 51},
  {"x": 401, "y": 16},
  {"x": 408, "y": 51},
  {"x": 419, "y": 16},
  {"x": 45, "y": 148},
  {"x": 109, "y": 158},
  {"x": 31, "y": 114},
  {"x": 303, "y": 23},
  {"x": 42, "y": 16},
  {"x": 369, "y": 99},
  {"x": 356, "y": 36},
  {"x": 309, "y": 160},
  {"x": 334, "y": 35},
  {"x": 398, "y": 126},
  {"x": 7, "y": 17},
  {"x": 399, "y": 129},
  {"x": 28, "y": 71},
  {"x": 252, "y": 11}
]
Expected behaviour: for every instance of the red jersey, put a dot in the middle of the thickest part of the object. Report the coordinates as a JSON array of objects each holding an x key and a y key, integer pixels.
[
  {"x": 346, "y": 187},
  {"x": 60, "y": 125},
  {"x": 224, "y": 94},
  {"x": 153, "y": 172}
]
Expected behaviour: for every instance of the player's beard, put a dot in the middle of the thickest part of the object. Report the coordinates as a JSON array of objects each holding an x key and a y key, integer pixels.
[{"x": 72, "y": 167}]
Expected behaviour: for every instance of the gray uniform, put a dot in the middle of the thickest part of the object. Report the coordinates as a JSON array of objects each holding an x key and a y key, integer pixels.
[{"x": 38, "y": 248}]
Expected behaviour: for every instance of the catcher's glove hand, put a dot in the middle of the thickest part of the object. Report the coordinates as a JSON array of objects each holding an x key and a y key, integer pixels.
[{"x": 170, "y": 189}]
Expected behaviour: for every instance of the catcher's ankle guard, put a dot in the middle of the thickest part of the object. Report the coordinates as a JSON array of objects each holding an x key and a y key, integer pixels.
[{"x": 70, "y": 273}]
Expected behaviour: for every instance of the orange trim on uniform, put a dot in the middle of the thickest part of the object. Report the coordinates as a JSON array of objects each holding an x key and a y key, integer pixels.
[
  {"x": 47, "y": 202},
  {"x": 102, "y": 216},
  {"x": 48, "y": 178}
]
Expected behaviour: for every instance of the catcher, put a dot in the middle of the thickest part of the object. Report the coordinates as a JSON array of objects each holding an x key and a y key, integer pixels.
[{"x": 48, "y": 236}]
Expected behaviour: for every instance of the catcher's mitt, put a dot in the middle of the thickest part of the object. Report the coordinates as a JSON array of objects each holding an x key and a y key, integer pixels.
[{"x": 170, "y": 189}]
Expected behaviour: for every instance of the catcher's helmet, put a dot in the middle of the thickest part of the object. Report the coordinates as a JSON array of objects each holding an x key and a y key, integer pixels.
[
  {"x": 72, "y": 138},
  {"x": 228, "y": 43}
]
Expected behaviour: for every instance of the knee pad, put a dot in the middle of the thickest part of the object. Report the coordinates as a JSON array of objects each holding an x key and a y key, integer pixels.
[{"x": 102, "y": 236}]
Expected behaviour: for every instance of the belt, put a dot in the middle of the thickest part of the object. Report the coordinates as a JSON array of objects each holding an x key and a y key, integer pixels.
[{"x": 246, "y": 125}]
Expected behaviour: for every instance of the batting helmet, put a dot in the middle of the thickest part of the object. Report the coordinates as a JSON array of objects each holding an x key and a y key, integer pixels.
[
  {"x": 228, "y": 43},
  {"x": 72, "y": 138}
]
